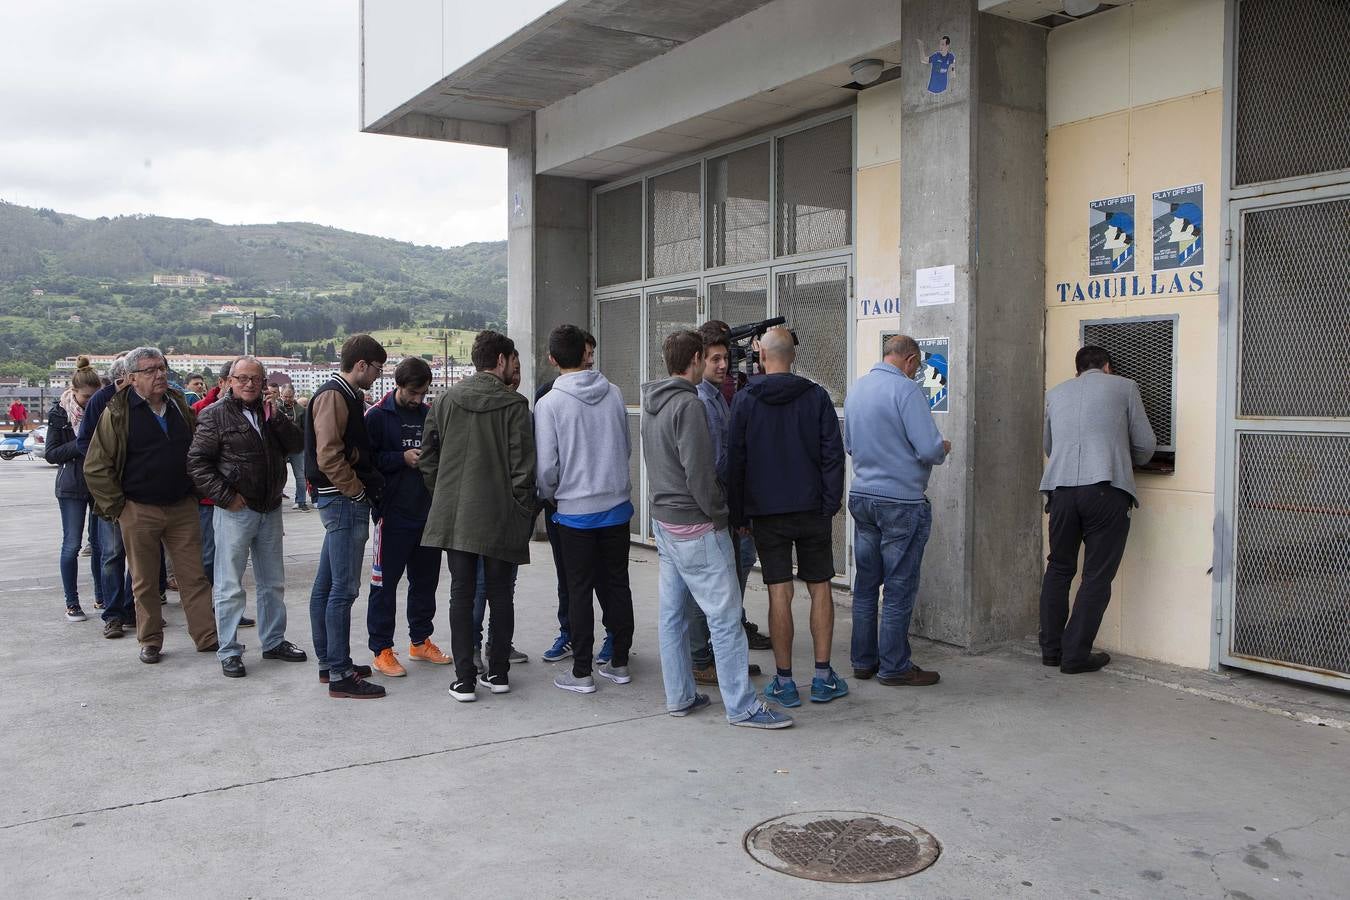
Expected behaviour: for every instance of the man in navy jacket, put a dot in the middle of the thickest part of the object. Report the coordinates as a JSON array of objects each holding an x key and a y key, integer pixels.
[
  {"x": 789, "y": 501},
  {"x": 395, "y": 428}
]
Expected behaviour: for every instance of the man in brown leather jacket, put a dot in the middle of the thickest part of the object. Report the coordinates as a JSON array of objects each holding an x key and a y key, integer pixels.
[{"x": 238, "y": 461}]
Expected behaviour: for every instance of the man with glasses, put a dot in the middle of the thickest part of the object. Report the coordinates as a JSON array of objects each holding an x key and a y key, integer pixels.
[
  {"x": 238, "y": 459},
  {"x": 345, "y": 482},
  {"x": 136, "y": 471}
]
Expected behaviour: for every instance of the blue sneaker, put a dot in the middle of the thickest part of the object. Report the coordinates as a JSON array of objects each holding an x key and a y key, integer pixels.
[
  {"x": 561, "y": 649},
  {"x": 763, "y": 717},
  {"x": 823, "y": 690},
  {"x": 700, "y": 701},
  {"x": 606, "y": 650},
  {"x": 784, "y": 693}
]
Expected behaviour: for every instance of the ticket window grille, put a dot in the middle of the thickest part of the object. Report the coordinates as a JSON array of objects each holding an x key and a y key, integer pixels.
[{"x": 1144, "y": 349}]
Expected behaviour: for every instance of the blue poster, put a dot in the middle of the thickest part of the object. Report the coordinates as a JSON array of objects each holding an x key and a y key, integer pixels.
[
  {"x": 1178, "y": 227},
  {"x": 1111, "y": 236}
]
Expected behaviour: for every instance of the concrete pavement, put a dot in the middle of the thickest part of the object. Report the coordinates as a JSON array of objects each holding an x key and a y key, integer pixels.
[{"x": 170, "y": 780}]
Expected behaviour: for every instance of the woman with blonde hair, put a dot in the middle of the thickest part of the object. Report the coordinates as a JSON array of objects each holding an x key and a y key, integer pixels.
[{"x": 63, "y": 423}]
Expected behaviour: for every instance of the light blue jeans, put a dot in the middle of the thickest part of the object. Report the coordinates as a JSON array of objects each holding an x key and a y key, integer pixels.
[
  {"x": 705, "y": 569},
  {"x": 888, "y": 542},
  {"x": 239, "y": 535},
  {"x": 346, "y": 526}
]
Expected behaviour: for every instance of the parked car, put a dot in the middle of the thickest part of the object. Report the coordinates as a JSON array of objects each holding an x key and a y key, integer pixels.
[
  {"x": 36, "y": 442},
  {"x": 11, "y": 445}
]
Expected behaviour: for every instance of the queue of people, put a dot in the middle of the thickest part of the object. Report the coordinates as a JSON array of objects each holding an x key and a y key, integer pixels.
[{"x": 465, "y": 477}]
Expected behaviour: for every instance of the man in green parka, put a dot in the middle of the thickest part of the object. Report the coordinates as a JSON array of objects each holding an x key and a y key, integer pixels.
[{"x": 478, "y": 462}]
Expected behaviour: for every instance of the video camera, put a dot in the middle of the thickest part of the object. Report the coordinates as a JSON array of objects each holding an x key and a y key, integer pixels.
[{"x": 740, "y": 340}]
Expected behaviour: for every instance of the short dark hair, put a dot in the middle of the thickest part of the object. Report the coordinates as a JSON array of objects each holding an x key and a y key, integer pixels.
[
  {"x": 713, "y": 332},
  {"x": 362, "y": 348},
  {"x": 1092, "y": 357},
  {"x": 590, "y": 340},
  {"x": 679, "y": 349},
  {"x": 412, "y": 372},
  {"x": 947, "y": 39},
  {"x": 225, "y": 369},
  {"x": 489, "y": 345},
  {"x": 567, "y": 346}
]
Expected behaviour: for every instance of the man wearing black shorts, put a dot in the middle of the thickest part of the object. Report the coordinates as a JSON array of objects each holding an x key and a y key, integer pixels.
[{"x": 790, "y": 503}]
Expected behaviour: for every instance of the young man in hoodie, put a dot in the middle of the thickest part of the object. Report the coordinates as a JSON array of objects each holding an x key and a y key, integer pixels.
[
  {"x": 478, "y": 462},
  {"x": 395, "y": 426},
  {"x": 689, "y": 518},
  {"x": 581, "y": 432},
  {"x": 790, "y": 503}
]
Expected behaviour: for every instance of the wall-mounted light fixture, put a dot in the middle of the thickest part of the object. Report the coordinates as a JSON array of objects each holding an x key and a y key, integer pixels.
[{"x": 866, "y": 71}]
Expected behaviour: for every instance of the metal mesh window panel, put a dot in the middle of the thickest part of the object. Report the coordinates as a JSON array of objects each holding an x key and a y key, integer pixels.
[
  {"x": 815, "y": 304},
  {"x": 1292, "y": 567},
  {"x": 1293, "y": 89},
  {"x": 1144, "y": 350},
  {"x": 618, "y": 235},
  {"x": 667, "y": 311},
  {"x": 635, "y": 471},
  {"x": 815, "y": 188},
  {"x": 674, "y": 244},
  {"x": 1295, "y": 311},
  {"x": 617, "y": 347},
  {"x": 738, "y": 207},
  {"x": 739, "y": 302}
]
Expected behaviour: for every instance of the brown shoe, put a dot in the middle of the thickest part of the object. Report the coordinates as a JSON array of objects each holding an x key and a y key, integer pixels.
[
  {"x": 915, "y": 677},
  {"x": 706, "y": 676}
]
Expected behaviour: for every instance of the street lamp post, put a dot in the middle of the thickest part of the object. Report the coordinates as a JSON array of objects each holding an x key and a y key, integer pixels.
[{"x": 249, "y": 322}]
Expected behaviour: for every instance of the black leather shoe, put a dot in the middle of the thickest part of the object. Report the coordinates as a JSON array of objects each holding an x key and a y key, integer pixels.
[
  {"x": 233, "y": 667},
  {"x": 246, "y": 622},
  {"x": 286, "y": 651},
  {"x": 150, "y": 655},
  {"x": 1093, "y": 662},
  {"x": 209, "y": 648},
  {"x": 1048, "y": 659},
  {"x": 864, "y": 674}
]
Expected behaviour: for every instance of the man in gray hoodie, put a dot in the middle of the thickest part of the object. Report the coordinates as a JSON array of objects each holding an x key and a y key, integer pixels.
[
  {"x": 581, "y": 443},
  {"x": 689, "y": 517}
]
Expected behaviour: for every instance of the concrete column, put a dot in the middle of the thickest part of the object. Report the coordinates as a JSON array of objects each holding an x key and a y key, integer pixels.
[
  {"x": 973, "y": 181},
  {"x": 547, "y": 253}
]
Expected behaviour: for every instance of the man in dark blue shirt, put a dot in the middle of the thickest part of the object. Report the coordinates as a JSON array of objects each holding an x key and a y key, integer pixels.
[{"x": 940, "y": 65}]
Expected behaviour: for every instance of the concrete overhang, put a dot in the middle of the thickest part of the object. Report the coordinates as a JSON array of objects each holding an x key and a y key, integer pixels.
[
  {"x": 424, "y": 72},
  {"x": 1046, "y": 13}
]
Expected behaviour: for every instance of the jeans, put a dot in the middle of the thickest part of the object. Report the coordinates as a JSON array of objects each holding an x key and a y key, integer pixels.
[
  {"x": 597, "y": 566},
  {"x": 117, "y": 599},
  {"x": 206, "y": 523},
  {"x": 240, "y": 535},
  {"x": 480, "y": 600},
  {"x": 888, "y": 542},
  {"x": 744, "y": 545},
  {"x": 500, "y": 579},
  {"x": 705, "y": 569},
  {"x": 74, "y": 513},
  {"x": 297, "y": 461},
  {"x": 398, "y": 548},
  {"x": 346, "y": 525},
  {"x": 1097, "y": 517},
  {"x": 700, "y": 640}
]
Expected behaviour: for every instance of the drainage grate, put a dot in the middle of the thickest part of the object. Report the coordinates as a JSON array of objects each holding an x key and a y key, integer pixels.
[{"x": 846, "y": 847}]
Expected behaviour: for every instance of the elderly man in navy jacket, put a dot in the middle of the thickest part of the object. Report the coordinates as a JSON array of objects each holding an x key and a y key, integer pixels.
[
  {"x": 890, "y": 433},
  {"x": 790, "y": 502}
]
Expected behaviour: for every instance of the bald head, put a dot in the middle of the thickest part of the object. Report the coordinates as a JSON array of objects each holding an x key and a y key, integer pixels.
[
  {"x": 777, "y": 350},
  {"x": 902, "y": 351}
]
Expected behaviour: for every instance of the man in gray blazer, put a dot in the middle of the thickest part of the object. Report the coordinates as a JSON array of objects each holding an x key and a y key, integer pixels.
[{"x": 1096, "y": 431}]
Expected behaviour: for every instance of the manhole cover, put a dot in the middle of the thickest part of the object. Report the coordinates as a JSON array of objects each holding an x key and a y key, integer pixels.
[{"x": 842, "y": 846}]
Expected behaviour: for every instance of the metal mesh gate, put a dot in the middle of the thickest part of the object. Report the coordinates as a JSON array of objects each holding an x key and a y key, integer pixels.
[
  {"x": 1292, "y": 566},
  {"x": 1293, "y": 90},
  {"x": 738, "y": 207},
  {"x": 814, "y": 301},
  {"x": 1144, "y": 350},
  {"x": 1296, "y": 311},
  {"x": 618, "y": 235},
  {"x": 674, "y": 242},
  {"x": 815, "y": 188}
]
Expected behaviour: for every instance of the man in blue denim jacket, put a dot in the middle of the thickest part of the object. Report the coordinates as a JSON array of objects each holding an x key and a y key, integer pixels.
[{"x": 890, "y": 433}]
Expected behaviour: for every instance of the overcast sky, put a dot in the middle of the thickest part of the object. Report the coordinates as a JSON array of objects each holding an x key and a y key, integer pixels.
[{"x": 242, "y": 111}]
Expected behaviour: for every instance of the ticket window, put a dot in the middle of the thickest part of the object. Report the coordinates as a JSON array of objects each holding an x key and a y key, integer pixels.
[{"x": 1144, "y": 349}]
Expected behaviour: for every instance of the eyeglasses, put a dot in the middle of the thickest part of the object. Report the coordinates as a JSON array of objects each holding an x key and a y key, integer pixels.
[
  {"x": 152, "y": 370},
  {"x": 247, "y": 379}
]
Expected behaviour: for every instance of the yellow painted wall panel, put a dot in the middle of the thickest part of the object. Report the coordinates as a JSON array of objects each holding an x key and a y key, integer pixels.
[
  {"x": 1087, "y": 67},
  {"x": 879, "y": 125},
  {"x": 877, "y": 275},
  {"x": 1085, "y": 161},
  {"x": 1176, "y": 48}
]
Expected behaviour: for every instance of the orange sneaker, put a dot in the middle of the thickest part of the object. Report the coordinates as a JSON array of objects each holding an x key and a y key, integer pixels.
[
  {"x": 428, "y": 652},
  {"x": 386, "y": 663}
]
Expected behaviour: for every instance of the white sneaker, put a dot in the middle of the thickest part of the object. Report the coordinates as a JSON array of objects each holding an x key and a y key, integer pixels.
[
  {"x": 569, "y": 682},
  {"x": 616, "y": 674}
]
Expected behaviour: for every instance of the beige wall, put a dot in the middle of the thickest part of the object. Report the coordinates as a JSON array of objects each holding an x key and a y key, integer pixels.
[
  {"x": 1134, "y": 104},
  {"x": 877, "y": 264}
]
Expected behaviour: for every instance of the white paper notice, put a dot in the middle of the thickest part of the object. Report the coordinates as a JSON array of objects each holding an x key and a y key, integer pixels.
[{"x": 935, "y": 286}]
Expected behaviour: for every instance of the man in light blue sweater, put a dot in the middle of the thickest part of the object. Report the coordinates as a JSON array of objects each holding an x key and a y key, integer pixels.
[
  {"x": 890, "y": 433},
  {"x": 581, "y": 443}
]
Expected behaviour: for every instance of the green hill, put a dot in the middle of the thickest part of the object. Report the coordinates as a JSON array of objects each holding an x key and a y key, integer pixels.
[{"x": 322, "y": 282}]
